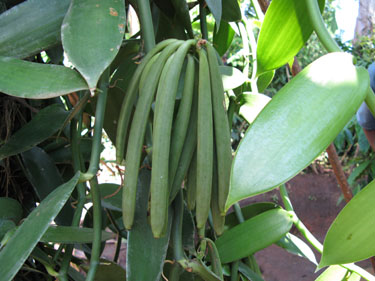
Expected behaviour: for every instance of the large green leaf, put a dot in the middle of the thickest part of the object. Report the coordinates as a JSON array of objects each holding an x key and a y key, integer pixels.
[
  {"x": 223, "y": 38},
  {"x": 36, "y": 80},
  {"x": 285, "y": 29},
  {"x": 351, "y": 235},
  {"x": 143, "y": 249},
  {"x": 47, "y": 122},
  {"x": 253, "y": 235},
  {"x": 231, "y": 11},
  {"x": 92, "y": 34},
  {"x": 70, "y": 235},
  {"x": 297, "y": 125},
  {"x": 10, "y": 209},
  {"x": 16, "y": 251},
  {"x": 44, "y": 176},
  {"x": 31, "y": 26}
]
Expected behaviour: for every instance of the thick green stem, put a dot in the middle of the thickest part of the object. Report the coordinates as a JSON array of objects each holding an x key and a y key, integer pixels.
[
  {"x": 285, "y": 197},
  {"x": 203, "y": 21},
  {"x": 98, "y": 127},
  {"x": 145, "y": 18},
  {"x": 97, "y": 226},
  {"x": 321, "y": 30}
]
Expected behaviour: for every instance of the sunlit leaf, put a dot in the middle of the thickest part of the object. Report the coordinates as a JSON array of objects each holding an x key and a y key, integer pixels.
[
  {"x": 251, "y": 105},
  {"x": 232, "y": 77},
  {"x": 332, "y": 273},
  {"x": 348, "y": 238},
  {"x": 253, "y": 235},
  {"x": 16, "y": 251},
  {"x": 32, "y": 80},
  {"x": 297, "y": 125},
  {"x": 92, "y": 33},
  {"x": 33, "y": 133},
  {"x": 31, "y": 26},
  {"x": 285, "y": 29}
]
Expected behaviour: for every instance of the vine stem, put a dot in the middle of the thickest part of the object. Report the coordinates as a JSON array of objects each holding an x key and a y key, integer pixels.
[
  {"x": 145, "y": 18},
  {"x": 203, "y": 21}
]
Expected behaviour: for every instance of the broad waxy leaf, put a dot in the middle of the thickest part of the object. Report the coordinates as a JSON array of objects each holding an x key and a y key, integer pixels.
[
  {"x": 92, "y": 34},
  {"x": 31, "y": 27},
  {"x": 23, "y": 79},
  {"x": 285, "y": 29},
  {"x": 296, "y": 246},
  {"x": 297, "y": 125},
  {"x": 252, "y": 104},
  {"x": 215, "y": 7},
  {"x": 332, "y": 273},
  {"x": 350, "y": 235},
  {"x": 19, "y": 247},
  {"x": 142, "y": 248},
  {"x": 70, "y": 235},
  {"x": 10, "y": 209},
  {"x": 44, "y": 176},
  {"x": 31, "y": 134},
  {"x": 223, "y": 38},
  {"x": 232, "y": 77},
  {"x": 253, "y": 235}
]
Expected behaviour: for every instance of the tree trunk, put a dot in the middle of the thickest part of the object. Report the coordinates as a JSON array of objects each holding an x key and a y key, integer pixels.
[{"x": 366, "y": 19}]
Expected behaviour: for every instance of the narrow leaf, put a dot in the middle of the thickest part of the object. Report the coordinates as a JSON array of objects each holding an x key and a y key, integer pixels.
[
  {"x": 251, "y": 275},
  {"x": 33, "y": 133},
  {"x": 32, "y": 229},
  {"x": 285, "y": 29},
  {"x": 251, "y": 105},
  {"x": 142, "y": 248},
  {"x": 253, "y": 235},
  {"x": 92, "y": 34},
  {"x": 31, "y": 27},
  {"x": 297, "y": 125},
  {"x": 350, "y": 235},
  {"x": 36, "y": 80},
  {"x": 70, "y": 235}
]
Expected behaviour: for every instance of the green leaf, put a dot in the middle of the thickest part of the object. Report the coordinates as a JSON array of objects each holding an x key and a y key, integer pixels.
[
  {"x": 296, "y": 246},
  {"x": 251, "y": 275},
  {"x": 215, "y": 7},
  {"x": 111, "y": 196},
  {"x": 36, "y": 80},
  {"x": 223, "y": 38},
  {"x": 108, "y": 270},
  {"x": 264, "y": 80},
  {"x": 285, "y": 29},
  {"x": 332, "y": 273},
  {"x": 92, "y": 34},
  {"x": 253, "y": 235},
  {"x": 232, "y": 77},
  {"x": 44, "y": 124},
  {"x": 251, "y": 105},
  {"x": 142, "y": 248},
  {"x": 231, "y": 11},
  {"x": 5, "y": 226},
  {"x": 32, "y": 229},
  {"x": 358, "y": 171},
  {"x": 350, "y": 235},
  {"x": 248, "y": 212},
  {"x": 297, "y": 125},
  {"x": 31, "y": 27},
  {"x": 10, "y": 209},
  {"x": 71, "y": 235}
]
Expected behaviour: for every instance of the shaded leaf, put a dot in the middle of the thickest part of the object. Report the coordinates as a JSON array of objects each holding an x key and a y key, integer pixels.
[
  {"x": 232, "y": 77},
  {"x": 10, "y": 209},
  {"x": 231, "y": 11},
  {"x": 5, "y": 226},
  {"x": 253, "y": 235},
  {"x": 16, "y": 251},
  {"x": 108, "y": 270},
  {"x": 215, "y": 7},
  {"x": 251, "y": 105},
  {"x": 33, "y": 133},
  {"x": 297, "y": 125},
  {"x": 70, "y": 235},
  {"x": 142, "y": 248},
  {"x": 264, "y": 80},
  {"x": 285, "y": 29},
  {"x": 31, "y": 27},
  {"x": 296, "y": 246},
  {"x": 251, "y": 275},
  {"x": 36, "y": 80},
  {"x": 111, "y": 196},
  {"x": 92, "y": 34},
  {"x": 348, "y": 238},
  {"x": 223, "y": 38}
]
